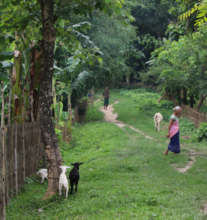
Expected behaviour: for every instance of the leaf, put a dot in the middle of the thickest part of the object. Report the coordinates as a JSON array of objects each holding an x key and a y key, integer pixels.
[{"x": 6, "y": 55}]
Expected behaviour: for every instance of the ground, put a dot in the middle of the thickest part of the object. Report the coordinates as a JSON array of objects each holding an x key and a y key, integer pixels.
[{"x": 125, "y": 174}]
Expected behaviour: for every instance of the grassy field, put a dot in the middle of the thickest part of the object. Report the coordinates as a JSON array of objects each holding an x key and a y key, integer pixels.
[{"x": 124, "y": 176}]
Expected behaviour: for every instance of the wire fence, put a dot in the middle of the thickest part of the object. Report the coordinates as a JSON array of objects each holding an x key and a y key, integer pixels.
[{"x": 194, "y": 115}]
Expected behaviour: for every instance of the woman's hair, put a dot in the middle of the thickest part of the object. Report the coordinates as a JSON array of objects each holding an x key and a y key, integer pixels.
[{"x": 177, "y": 108}]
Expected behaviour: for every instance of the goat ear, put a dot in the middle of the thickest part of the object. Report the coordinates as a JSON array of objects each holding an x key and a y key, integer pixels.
[
  {"x": 72, "y": 164},
  {"x": 81, "y": 163}
]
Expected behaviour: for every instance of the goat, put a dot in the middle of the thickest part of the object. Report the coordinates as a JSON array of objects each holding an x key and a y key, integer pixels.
[
  {"x": 63, "y": 181},
  {"x": 157, "y": 120},
  {"x": 74, "y": 176},
  {"x": 43, "y": 174}
]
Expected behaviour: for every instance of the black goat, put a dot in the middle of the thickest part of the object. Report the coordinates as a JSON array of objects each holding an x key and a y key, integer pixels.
[{"x": 74, "y": 176}]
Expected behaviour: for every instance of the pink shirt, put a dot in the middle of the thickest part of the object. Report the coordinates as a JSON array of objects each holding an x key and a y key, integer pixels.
[{"x": 175, "y": 126}]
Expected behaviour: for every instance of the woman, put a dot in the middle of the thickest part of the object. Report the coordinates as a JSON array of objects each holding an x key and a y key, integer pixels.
[
  {"x": 106, "y": 97},
  {"x": 173, "y": 131}
]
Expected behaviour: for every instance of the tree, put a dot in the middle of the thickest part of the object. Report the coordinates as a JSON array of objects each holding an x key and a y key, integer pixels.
[
  {"x": 152, "y": 18},
  {"x": 22, "y": 19},
  {"x": 179, "y": 67},
  {"x": 115, "y": 37},
  {"x": 46, "y": 124}
]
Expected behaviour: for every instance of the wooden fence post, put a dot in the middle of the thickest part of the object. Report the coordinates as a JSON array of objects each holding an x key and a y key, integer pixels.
[
  {"x": 3, "y": 175},
  {"x": 18, "y": 146},
  {"x": 3, "y": 156},
  {"x": 23, "y": 146},
  {"x": 15, "y": 160}
]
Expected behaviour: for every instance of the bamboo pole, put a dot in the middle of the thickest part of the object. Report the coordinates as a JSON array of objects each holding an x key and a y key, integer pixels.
[
  {"x": 2, "y": 105},
  {"x": 23, "y": 134},
  {"x": 32, "y": 106},
  {"x": 16, "y": 160},
  {"x": 10, "y": 99},
  {"x": 3, "y": 155}
]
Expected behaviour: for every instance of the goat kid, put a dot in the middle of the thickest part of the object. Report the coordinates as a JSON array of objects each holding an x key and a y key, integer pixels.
[
  {"x": 74, "y": 176},
  {"x": 43, "y": 174},
  {"x": 157, "y": 120},
  {"x": 63, "y": 181}
]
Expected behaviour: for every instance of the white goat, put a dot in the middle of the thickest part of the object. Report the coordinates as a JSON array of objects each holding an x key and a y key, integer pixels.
[
  {"x": 43, "y": 174},
  {"x": 157, "y": 120},
  {"x": 63, "y": 181}
]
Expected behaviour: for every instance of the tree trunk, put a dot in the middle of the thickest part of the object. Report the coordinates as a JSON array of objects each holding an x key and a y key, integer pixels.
[
  {"x": 202, "y": 99},
  {"x": 70, "y": 119},
  {"x": 2, "y": 106},
  {"x": 46, "y": 124},
  {"x": 185, "y": 101},
  {"x": 92, "y": 93},
  {"x": 178, "y": 91},
  {"x": 54, "y": 99},
  {"x": 192, "y": 101},
  {"x": 128, "y": 80},
  {"x": 35, "y": 73}
]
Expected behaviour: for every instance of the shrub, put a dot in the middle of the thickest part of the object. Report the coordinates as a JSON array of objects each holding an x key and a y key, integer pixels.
[
  {"x": 187, "y": 126},
  {"x": 93, "y": 114},
  {"x": 202, "y": 132}
]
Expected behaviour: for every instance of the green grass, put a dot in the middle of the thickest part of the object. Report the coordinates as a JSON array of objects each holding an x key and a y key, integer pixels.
[{"x": 124, "y": 175}]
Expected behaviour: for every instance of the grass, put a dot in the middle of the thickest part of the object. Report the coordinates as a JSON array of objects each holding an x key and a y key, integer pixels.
[{"x": 124, "y": 175}]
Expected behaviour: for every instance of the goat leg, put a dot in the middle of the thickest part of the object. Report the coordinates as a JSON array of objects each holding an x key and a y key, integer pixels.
[
  {"x": 76, "y": 187},
  {"x": 60, "y": 190},
  {"x": 66, "y": 193},
  {"x": 71, "y": 188}
]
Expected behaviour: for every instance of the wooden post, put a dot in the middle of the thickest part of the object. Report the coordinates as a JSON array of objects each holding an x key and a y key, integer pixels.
[
  {"x": 15, "y": 160},
  {"x": 3, "y": 160},
  {"x": 23, "y": 134},
  {"x": 10, "y": 99},
  {"x": 3, "y": 176},
  {"x": 2, "y": 105},
  {"x": 32, "y": 106}
]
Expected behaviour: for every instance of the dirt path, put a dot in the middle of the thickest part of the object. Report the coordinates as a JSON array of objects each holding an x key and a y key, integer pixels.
[
  {"x": 111, "y": 116},
  {"x": 190, "y": 163},
  {"x": 204, "y": 209},
  {"x": 192, "y": 160}
]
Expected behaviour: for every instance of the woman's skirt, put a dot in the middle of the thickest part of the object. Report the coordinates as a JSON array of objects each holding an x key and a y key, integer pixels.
[
  {"x": 174, "y": 144},
  {"x": 106, "y": 101}
]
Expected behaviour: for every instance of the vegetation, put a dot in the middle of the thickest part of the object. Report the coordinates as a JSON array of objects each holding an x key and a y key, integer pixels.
[
  {"x": 54, "y": 56},
  {"x": 125, "y": 175},
  {"x": 179, "y": 68}
]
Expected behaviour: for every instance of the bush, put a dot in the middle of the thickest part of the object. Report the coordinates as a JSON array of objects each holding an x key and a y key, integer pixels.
[
  {"x": 187, "y": 126},
  {"x": 93, "y": 114},
  {"x": 202, "y": 132}
]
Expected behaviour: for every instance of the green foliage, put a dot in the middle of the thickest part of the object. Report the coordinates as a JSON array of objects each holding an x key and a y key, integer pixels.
[
  {"x": 202, "y": 132},
  {"x": 186, "y": 126},
  {"x": 198, "y": 11},
  {"x": 151, "y": 21},
  {"x": 93, "y": 114},
  {"x": 181, "y": 65},
  {"x": 59, "y": 134},
  {"x": 114, "y": 35}
]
